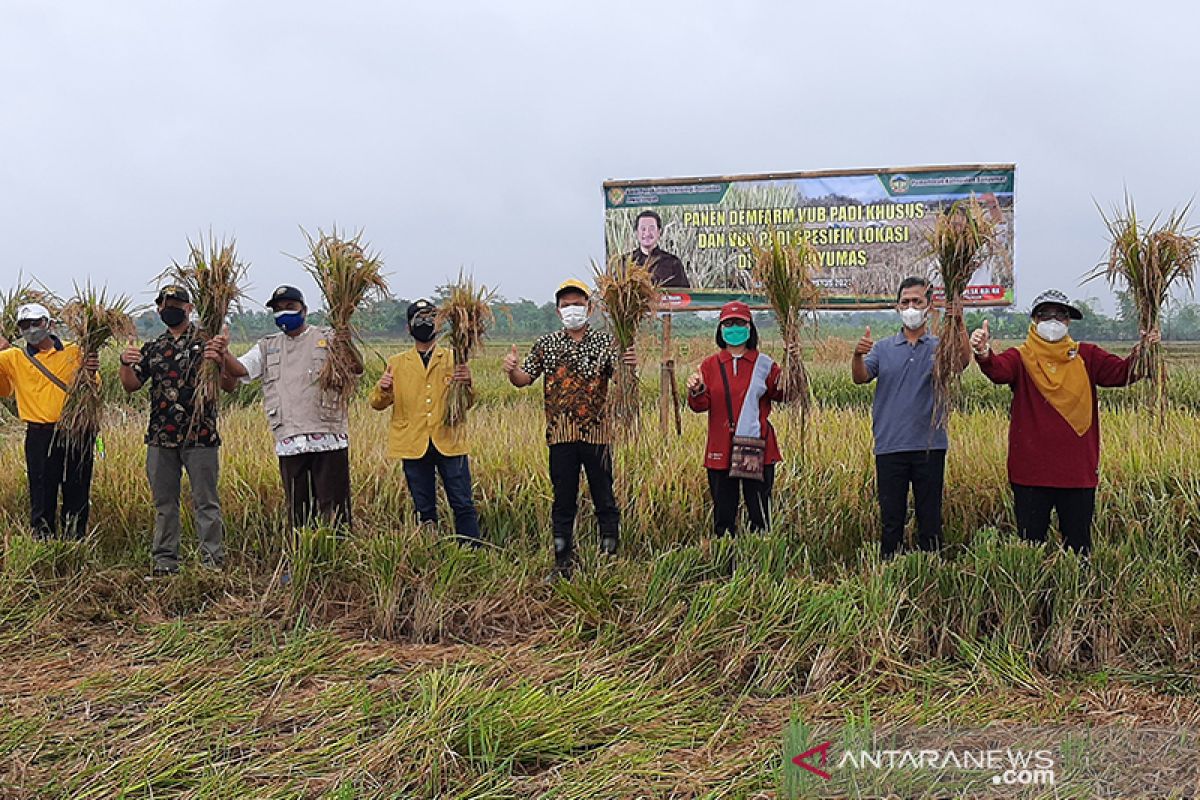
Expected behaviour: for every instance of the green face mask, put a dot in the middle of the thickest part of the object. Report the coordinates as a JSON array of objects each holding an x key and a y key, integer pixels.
[{"x": 736, "y": 335}]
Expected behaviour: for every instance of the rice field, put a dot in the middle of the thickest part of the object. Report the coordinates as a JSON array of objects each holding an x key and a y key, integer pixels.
[{"x": 395, "y": 664}]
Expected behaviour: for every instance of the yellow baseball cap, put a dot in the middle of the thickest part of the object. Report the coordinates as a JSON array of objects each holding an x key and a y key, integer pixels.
[{"x": 572, "y": 285}]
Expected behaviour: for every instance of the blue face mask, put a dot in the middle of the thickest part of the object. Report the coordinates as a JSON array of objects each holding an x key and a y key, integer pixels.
[
  {"x": 736, "y": 335},
  {"x": 288, "y": 321}
]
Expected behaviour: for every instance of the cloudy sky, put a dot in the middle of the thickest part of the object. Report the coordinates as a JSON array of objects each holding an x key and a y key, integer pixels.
[{"x": 478, "y": 134}]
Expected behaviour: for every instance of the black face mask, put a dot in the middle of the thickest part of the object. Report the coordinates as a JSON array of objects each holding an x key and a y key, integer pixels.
[
  {"x": 422, "y": 331},
  {"x": 172, "y": 317}
]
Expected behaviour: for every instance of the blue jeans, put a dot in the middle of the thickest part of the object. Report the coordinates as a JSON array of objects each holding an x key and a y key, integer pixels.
[{"x": 456, "y": 481}]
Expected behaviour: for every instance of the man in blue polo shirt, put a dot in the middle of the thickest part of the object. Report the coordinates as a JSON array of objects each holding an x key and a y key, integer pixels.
[{"x": 910, "y": 449}]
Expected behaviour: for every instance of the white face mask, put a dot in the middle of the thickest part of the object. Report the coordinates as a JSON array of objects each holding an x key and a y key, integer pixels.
[
  {"x": 1051, "y": 330},
  {"x": 573, "y": 317},
  {"x": 913, "y": 318}
]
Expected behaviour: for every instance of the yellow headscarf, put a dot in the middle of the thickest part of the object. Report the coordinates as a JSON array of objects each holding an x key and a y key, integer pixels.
[{"x": 1061, "y": 376}]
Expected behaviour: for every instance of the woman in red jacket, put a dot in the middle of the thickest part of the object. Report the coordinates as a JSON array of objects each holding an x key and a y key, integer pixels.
[
  {"x": 752, "y": 379},
  {"x": 1054, "y": 421}
]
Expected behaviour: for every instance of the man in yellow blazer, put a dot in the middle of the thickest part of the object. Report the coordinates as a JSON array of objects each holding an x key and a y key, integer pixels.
[{"x": 416, "y": 384}]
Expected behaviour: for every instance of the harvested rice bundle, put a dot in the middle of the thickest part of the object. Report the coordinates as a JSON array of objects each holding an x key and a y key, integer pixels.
[
  {"x": 94, "y": 320},
  {"x": 213, "y": 276},
  {"x": 784, "y": 273},
  {"x": 961, "y": 237},
  {"x": 1149, "y": 261},
  {"x": 347, "y": 274},
  {"x": 629, "y": 297},
  {"x": 467, "y": 310}
]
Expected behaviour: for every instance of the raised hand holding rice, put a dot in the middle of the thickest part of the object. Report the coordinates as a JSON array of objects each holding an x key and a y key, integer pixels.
[
  {"x": 961, "y": 237},
  {"x": 95, "y": 320},
  {"x": 212, "y": 277},
  {"x": 466, "y": 310},
  {"x": 784, "y": 273},
  {"x": 348, "y": 274},
  {"x": 629, "y": 297},
  {"x": 1150, "y": 261}
]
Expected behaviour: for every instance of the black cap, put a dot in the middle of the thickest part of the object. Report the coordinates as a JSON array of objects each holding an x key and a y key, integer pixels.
[
  {"x": 284, "y": 293},
  {"x": 173, "y": 292},
  {"x": 419, "y": 306}
]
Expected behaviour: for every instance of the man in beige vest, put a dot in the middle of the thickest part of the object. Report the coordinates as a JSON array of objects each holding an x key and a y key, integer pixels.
[{"x": 309, "y": 424}]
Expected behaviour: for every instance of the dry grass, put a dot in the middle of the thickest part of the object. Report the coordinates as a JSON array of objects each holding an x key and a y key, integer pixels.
[{"x": 398, "y": 664}]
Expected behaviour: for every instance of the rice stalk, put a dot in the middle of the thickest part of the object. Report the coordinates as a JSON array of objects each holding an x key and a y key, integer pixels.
[
  {"x": 23, "y": 293},
  {"x": 467, "y": 310},
  {"x": 960, "y": 239},
  {"x": 1150, "y": 261},
  {"x": 348, "y": 274},
  {"x": 629, "y": 297},
  {"x": 784, "y": 273},
  {"x": 213, "y": 276},
  {"x": 94, "y": 320}
]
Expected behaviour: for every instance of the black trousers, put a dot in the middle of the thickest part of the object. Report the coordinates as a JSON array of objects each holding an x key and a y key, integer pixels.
[
  {"x": 565, "y": 462},
  {"x": 53, "y": 468},
  {"x": 317, "y": 487},
  {"x": 924, "y": 471},
  {"x": 725, "y": 492},
  {"x": 1075, "y": 509}
]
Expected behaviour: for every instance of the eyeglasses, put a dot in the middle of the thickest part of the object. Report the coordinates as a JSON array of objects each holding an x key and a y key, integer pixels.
[
  {"x": 1047, "y": 314},
  {"x": 26, "y": 324},
  {"x": 734, "y": 323}
]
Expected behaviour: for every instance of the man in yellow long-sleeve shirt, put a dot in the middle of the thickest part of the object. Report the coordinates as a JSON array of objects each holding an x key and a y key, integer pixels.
[
  {"x": 416, "y": 384},
  {"x": 38, "y": 373}
]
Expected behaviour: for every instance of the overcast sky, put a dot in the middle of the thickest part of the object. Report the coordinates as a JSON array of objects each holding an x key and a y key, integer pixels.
[{"x": 478, "y": 134}]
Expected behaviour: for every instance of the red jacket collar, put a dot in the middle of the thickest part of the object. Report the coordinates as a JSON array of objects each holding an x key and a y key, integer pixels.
[{"x": 726, "y": 357}]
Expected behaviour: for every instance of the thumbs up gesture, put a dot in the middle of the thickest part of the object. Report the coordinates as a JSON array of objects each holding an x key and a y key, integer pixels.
[
  {"x": 981, "y": 339},
  {"x": 131, "y": 355},
  {"x": 864, "y": 344},
  {"x": 385, "y": 380},
  {"x": 511, "y": 360},
  {"x": 695, "y": 382}
]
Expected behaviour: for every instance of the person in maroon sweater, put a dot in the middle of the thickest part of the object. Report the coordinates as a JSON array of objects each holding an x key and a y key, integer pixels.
[
  {"x": 1054, "y": 419},
  {"x": 738, "y": 339}
]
